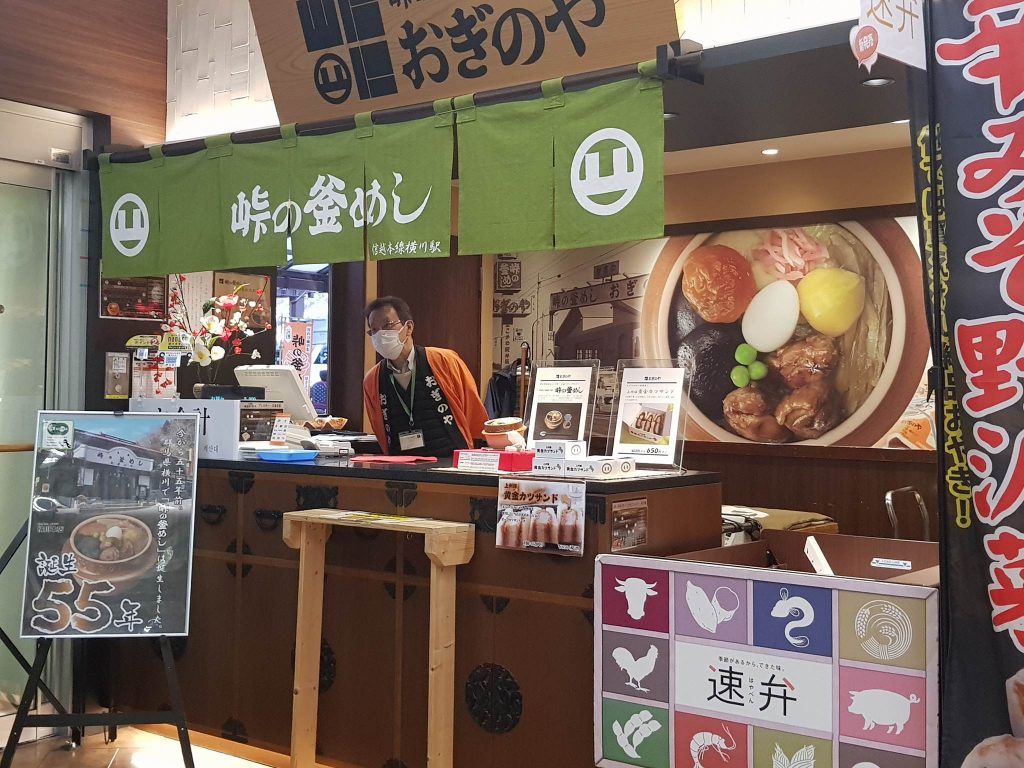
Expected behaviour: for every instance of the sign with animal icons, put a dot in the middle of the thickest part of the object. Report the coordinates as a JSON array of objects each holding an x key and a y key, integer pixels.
[
  {"x": 758, "y": 687},
  {"x": 858, "y": 756},
  {"x": 793, "y": 618},
  {"x": 636, "y": 665},
  {"x": 780, "y": 749},
  {"x": 635, "y": 734},
  {"x": 883, "y": 707},
  {"x": 706, "y": 742},
  {"x": 636, "y": 598},
  {"x": 711, "y": 608},
  {"x": 761, "y": 667},
  {"x": 878, "y": 630}
]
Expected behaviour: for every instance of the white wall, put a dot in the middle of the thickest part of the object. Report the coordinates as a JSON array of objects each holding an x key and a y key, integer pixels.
[
  {"x": 721, "y": 22},
  {"x": 216, "y": 80}
]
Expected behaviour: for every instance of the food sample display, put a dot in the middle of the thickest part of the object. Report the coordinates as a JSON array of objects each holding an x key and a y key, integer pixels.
[{"x": 786, "y": 332}]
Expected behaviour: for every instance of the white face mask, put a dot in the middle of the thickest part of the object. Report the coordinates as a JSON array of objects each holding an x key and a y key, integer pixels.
[{"x": 388, "y": 344}]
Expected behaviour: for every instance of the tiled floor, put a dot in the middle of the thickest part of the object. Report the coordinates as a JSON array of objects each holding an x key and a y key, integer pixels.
[{"x": 132, "y": 749}]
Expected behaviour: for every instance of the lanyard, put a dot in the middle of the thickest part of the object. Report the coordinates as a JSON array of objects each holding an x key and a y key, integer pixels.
[{"x": 401, "y": 400}]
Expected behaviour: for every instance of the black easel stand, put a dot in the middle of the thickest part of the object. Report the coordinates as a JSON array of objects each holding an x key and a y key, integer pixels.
[
  {"x": 5, "y": 560},
  {"x": 22, "y": 720},
  {"x": 80, "y": 720}
]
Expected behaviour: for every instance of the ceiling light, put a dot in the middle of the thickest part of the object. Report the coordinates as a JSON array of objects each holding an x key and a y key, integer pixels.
[
  {"x": 670, "y": 115},
  {"x": 877, "y": 82},
  {"x": 770, "y": 152},
  {"x": 900, "y": 122}
]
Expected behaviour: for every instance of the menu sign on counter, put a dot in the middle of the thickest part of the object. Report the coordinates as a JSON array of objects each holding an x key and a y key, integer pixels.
[
  {"x": 700, "y": 664},
  {"x": 561, "y": 402},
  {"x": 546, "y": 516},
  {"x": 110, "y": 525},
  {"x": 647, "y": 422}
]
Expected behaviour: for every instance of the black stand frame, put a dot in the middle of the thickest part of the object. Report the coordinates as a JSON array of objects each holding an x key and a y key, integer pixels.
[{"x": 80, "y": 720}]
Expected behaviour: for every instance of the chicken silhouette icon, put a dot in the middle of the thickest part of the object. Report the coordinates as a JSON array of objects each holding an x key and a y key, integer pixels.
[{"x": 637, "y": 669}]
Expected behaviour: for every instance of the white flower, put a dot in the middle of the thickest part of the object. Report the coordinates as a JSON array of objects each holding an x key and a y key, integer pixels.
[
  {"x": 236, "y": 317},
  {"x": 213, "y": 324},
  {"x": 200, "y": 354},
  {"x": 256, "y": 354},
  {"x": 216, "y": 352},
  {"x": 252, "y": 303},
  {"x": 248, "y": 332}
]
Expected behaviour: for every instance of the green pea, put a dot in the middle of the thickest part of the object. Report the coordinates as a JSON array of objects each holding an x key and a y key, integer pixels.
[
  {"x": 758, "y": 370},
  {"x": 740, "y": 376},
  {"x": 745, "y": 354}
]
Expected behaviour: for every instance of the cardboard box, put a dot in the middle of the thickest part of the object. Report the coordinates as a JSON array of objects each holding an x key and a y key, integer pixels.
[
  {"x": 561, "y": 449},
  {"x": 488, "y": 460},
  {"x": 600, "y": 468},
  {"x": 860, "y": 557}
]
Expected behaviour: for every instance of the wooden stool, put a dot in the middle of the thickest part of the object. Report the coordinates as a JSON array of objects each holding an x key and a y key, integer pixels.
[{"x": 447, "y": 545}]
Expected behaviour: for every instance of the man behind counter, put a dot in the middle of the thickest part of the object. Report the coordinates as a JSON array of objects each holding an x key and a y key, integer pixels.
[{"x": 422, "y": 401}]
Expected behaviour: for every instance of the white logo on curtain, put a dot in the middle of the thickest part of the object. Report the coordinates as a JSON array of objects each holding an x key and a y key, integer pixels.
[
  {"x": 129, "y": 225},
  {"x": 625, "y": 179}
]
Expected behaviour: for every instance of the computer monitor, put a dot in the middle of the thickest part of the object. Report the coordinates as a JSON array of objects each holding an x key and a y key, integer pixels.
[{"x": 281, "y": 382}]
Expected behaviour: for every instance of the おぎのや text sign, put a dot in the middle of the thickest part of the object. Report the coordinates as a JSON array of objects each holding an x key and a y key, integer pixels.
[{"x": 332, "y": 58}]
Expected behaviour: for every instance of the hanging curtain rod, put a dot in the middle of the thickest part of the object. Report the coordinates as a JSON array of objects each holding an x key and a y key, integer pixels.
[{"x": 678, "y": 60}]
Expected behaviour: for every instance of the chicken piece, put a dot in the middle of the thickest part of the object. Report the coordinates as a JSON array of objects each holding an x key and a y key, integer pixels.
[
  {"x": 996, "y": 752},
  {"x": 810, "y": 411},
  {"x": 804, "y": 361},
  {"x": 749, "y": 413}
]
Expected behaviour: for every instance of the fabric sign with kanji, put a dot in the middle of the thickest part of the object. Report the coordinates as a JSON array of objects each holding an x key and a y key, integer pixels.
[
  {"x": 327, "y": 185},
  {"x": 406, "y": 199}
]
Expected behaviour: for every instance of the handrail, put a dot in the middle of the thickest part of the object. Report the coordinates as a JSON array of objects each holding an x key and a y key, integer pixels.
[{"x": 16, "y": 447}]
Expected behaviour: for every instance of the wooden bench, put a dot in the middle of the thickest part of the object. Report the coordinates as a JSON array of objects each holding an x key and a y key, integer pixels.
[{"x": 448, "y": 545}]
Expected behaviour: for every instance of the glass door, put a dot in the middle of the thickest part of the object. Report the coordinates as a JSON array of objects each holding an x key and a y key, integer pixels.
[{"x": 24, "y": 340}]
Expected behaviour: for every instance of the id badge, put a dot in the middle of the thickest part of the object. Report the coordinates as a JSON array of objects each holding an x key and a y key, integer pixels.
[{"x": 410, "y": 441}]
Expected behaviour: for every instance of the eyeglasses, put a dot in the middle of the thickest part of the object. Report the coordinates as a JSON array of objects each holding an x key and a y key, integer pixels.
[{"x": 387, "y": 327}]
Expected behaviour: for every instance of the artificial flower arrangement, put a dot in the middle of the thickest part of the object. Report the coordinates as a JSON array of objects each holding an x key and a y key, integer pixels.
[{"x": 226, "y": 322}]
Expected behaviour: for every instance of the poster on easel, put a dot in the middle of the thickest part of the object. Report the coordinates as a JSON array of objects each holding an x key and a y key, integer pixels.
[
  {"x": 647, "y": 420},
  {"x": 110, "y": 525},
  {"x": 562, "y": 401}
]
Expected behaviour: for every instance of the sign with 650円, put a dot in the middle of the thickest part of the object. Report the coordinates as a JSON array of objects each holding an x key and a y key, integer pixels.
[{"x": 333, "y": 58}]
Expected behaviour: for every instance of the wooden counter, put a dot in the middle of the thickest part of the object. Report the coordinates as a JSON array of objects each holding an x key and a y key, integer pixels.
[{"x": 524, "y": 644}]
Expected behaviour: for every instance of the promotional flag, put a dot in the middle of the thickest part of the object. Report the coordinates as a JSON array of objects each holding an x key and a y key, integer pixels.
[{"x": 979, "y": 144}]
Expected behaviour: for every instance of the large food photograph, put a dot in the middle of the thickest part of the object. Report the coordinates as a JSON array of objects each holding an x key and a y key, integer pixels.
[{"x": 798, "y": 334}]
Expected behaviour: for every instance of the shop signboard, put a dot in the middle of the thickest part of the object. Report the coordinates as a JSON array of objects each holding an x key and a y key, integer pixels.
[
  {"x": 706, "y": 665},
  {"x": 646, "y": 424},
  {"x": 979, "y": 104},
  {"x": 546, "y": 516},
  {"x": 602, "y": 293},
  {"x": 561, "y": 403},
  {"x": 327, "y": 59},
  {"x": 110, "y": 525}
]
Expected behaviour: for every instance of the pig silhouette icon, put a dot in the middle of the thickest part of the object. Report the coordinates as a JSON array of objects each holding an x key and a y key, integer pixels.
[{"x": 879, "y": 707}]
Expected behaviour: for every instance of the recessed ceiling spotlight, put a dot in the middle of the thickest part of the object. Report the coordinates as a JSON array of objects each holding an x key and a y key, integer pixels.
[
  {"x": 878, "y": 82},
  {"x": 770, "y": 152},
  {"x": 670, "y": 115}
]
